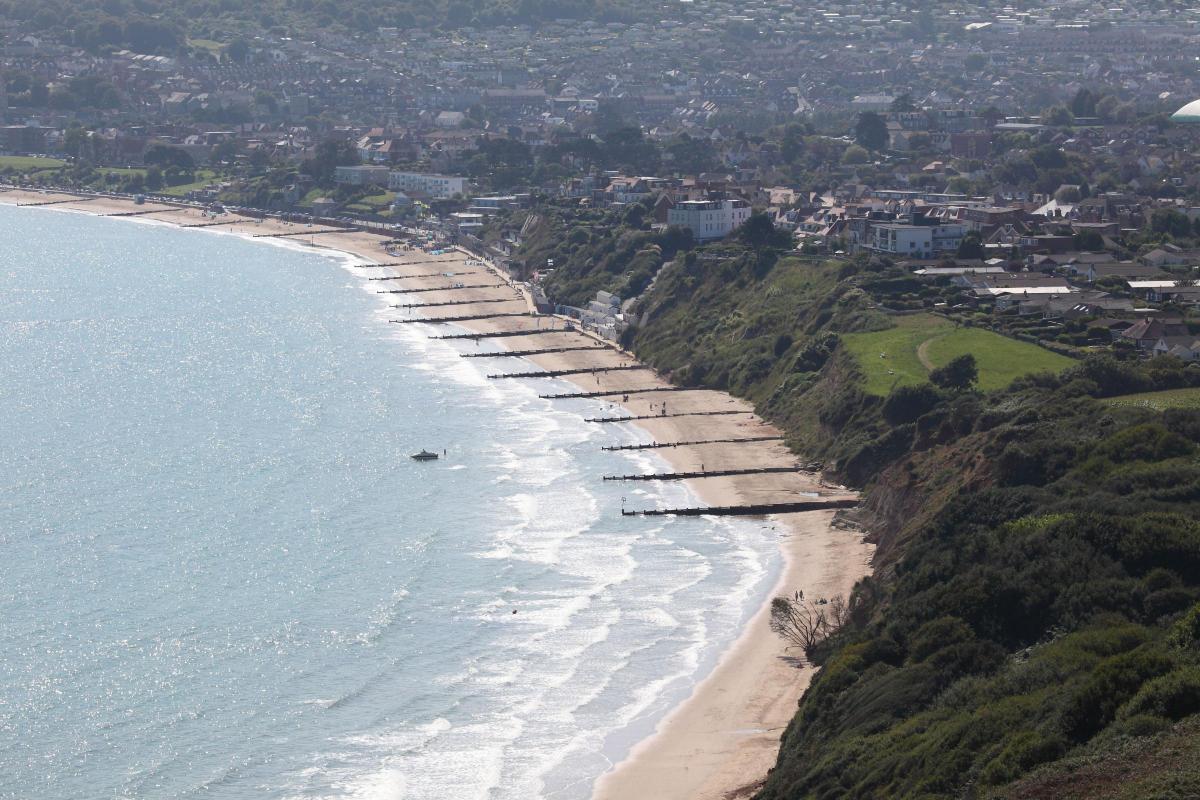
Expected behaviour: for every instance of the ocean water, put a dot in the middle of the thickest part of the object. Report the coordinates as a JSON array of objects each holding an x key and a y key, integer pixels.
[{"x": 222, "y": 577}]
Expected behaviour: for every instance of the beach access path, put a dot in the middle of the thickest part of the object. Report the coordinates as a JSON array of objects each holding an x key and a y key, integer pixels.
[{"x": 721, "y": 741}]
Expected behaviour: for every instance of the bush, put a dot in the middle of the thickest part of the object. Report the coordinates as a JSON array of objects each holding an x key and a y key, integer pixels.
[
  {"x": 907, "y": 404},
  {"x": 1173, "y": 696},
  {"x": 958, "y": 375},
  {"x": 1094, "y": 703},
  {"x": 1186, "y": 632},
  {"x": 1149, "y": 442},
  {"x": 936, "y": 634}
]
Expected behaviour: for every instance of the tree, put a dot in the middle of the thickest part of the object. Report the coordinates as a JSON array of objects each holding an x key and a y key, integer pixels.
[
  {"x": 1058, "y": 116},
  {"x": 1106, "y": 107},
  {"x": 975, "y": 62},
  {"x": 760, "y": 233},
  {"x": 163, "y": 155},
  {"x": 991, "y": 116},
  {"x": 871, "y": 131},
  {"x": 1168, "y": 220},
  {"x": 330, "y": 154},
  {"x": 1088, "y": 240},
  {"x": 1084, "y": 103},
  {"x": 225, "y": 150},
  {"x": 75, "y": 141},
  {"x": 959, "y": 375},
  {"x": 238, "y": 51},
  {"x": 903, "y": 103},
  {"x": 971, "y": 246},
  {"x": 1068, "y": 193},
  {"x": 855, "y": 155},
  {"x": 804, "y": 623},
  {"x": 909, "y": 403},
  {"x": 154, "y": 179}
]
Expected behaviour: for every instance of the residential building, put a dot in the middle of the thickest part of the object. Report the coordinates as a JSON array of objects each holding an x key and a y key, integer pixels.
[
  {"x": 440, "y": 187},
  {"x": 709, "y": 219},
  {"x": 361, "y": 175},
  {"x": 915, "y": 241}
]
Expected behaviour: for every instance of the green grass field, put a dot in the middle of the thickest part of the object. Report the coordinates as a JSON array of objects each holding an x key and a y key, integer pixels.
[
  {"x": 203, "y": 178},
  {"x": 904, "y": 355},
  {"x": 30, "y": 163},
  {"x": 1159, "y": 401},
  {"x": 207, "y": 44}
]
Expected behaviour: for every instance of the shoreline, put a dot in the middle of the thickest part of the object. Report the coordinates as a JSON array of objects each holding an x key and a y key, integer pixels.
[{"x": 720, "y": 741}]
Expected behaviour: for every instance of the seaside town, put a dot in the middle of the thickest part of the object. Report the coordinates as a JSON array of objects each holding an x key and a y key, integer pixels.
[
  {"x": 913, "y": 286},
  {"x": 1048, "y": 186}
]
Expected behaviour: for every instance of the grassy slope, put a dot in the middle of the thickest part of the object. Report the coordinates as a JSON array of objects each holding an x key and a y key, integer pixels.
[
  {"x": 1019, "y": 518},
  {"x": 203, "y": 178},
  {"x": 1159, "y": 401},
  {"x": 890, "y": 358},
  {"x": 30, "y": 163},
  {"x": 1151, "y": 765}
]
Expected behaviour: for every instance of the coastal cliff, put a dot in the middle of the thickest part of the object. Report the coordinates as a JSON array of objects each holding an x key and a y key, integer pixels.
[{"x": 1032, "y": 619}]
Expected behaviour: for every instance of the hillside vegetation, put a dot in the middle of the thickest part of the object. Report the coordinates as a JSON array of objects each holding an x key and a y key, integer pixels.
[
  {"x": 1034, "y": 615},
  {"x": 1160, "y": 401}
]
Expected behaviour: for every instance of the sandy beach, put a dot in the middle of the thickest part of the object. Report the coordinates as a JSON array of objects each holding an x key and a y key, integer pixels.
[{"x": 725, "y": 737}]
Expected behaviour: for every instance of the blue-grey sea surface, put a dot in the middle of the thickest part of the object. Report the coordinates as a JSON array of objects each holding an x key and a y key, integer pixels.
[{"x": 221, "y": 576}]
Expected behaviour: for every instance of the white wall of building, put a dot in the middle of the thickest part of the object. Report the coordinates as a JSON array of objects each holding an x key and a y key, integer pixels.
[
  {"x": 709, "y": 219},
  {"x": 437, "y": 186}
]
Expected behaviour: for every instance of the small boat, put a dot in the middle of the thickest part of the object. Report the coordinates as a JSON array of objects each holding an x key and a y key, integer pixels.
[{"x": 424, "y": 455}]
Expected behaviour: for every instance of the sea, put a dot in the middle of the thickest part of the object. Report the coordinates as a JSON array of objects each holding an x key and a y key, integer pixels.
[{"x": 221, "y": 575}]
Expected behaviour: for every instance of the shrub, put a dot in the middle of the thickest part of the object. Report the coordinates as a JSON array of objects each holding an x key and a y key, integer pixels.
[
  {"x": 936, "y": 634},
  {"x": 1094, "y": 703},
  {"x": 1186, "y": 632},
  {"x": 1148, "y": 442},
  {"x": 1172, "y": 696},
  {"x": 909, "y": 403},
  {"x": 958, "y": 375}
]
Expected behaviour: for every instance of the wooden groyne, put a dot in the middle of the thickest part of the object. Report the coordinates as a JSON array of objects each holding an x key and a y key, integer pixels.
[
  {"x": 666, "y": 416},
  {"x": 757, "y": 510},
  {"x": 57, "y": 202},
  {"x": 214, "y": 224},
  {"x": 502, "y": 334},
  {"x": 559, "y": 373},
  {"x": 468, "y": 318},
  {"x": 613, "y": 393},
  {"x": 460, "y": 302},
  {"x": 303, "y": 233},
  {"x": 140, "y": 213},
  {"x": 443, "y": 288},
  {"x": 656, "y": 445},
  {"x": 423, "y": 275},
  {"x": 428, "y": 261},
  {"x": 711, "y": 473},
  {"x": 544, "y": 351}
]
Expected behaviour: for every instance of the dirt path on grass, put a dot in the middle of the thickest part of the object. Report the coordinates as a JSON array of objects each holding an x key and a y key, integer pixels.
[{"x": 923, "y": 354}]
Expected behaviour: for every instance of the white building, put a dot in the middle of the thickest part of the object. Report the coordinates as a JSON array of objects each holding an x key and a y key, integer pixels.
[
  {"x": 709, "y": 219},
  {"x": 915, "y": 241},
  {"x": 361, "y": 175},
  {"x": 440, "y": 187}
]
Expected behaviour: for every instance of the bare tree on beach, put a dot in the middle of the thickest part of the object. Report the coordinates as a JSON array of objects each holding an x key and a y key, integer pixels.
[{"x": 806, "y": 623}]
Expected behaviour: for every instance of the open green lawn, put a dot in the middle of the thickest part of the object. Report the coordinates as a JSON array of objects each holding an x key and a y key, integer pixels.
[
  {"x": 906, "y": 353},
  {"x": 1159, "y": 401},
  {"x": 203, "y": 178},
  {"x": 30, "y": 163},
  {"x": 207, "y": 44}
]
